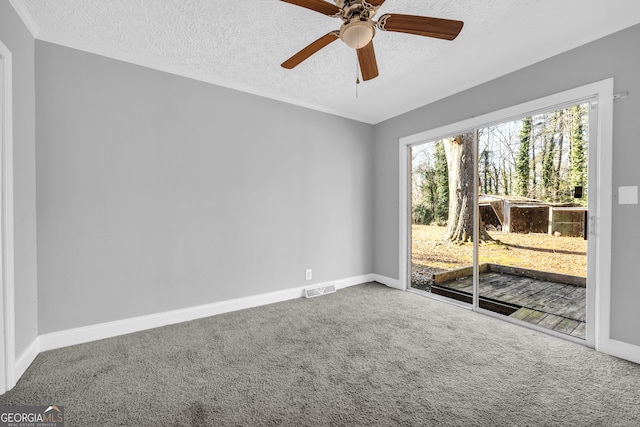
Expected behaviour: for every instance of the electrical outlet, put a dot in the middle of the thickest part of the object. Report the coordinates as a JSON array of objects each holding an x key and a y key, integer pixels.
[{"x": 308, "y": 274}]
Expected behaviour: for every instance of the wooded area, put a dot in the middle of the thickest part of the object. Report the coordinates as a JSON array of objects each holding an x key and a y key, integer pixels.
[{"x": 542, "y": 157}]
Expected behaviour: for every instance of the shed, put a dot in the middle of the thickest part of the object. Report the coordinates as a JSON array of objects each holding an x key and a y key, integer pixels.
[{"x": 514, "y": 214}]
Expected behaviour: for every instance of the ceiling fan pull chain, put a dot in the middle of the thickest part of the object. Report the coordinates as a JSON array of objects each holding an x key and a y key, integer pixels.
[
  {"x": 357, "y": 77},
  {"x": 357, "y": 67}
]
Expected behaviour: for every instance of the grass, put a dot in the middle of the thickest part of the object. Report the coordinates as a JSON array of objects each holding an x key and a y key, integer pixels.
[{"x": 557, "y": 254}]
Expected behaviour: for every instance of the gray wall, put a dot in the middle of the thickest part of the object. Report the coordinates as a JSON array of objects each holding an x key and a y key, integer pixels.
[
  {"x": 614, "y": 56},
  {"x": 17, "y": 38},
  {"x": 156, "y": 192}
]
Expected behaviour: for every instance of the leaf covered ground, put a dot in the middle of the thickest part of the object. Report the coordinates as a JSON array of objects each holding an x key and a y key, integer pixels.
[{"x": 558, "y": 254}]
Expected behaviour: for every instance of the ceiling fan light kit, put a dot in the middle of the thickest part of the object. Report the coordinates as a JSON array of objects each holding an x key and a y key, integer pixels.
[
  {"x": 357, "y": 34},
  {"x": 359, "y": 28}
]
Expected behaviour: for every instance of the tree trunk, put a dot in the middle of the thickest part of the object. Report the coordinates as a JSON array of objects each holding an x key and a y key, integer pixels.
[
  {"x": 557, "y": 179},
  {"x": 459, "y": 152}
]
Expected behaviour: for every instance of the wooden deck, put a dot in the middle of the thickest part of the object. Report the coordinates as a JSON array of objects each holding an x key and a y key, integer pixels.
[{"x": 557, "y": 306}]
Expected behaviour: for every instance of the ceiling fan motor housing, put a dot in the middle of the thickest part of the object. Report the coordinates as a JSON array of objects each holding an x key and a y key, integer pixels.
[{"x": 358, "y": 28}]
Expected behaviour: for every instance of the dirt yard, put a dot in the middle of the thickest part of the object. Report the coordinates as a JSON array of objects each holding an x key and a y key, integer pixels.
[{"x": 558, "y": 254}]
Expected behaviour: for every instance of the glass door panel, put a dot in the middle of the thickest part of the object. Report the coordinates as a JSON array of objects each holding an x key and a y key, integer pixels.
[
  {"x": 532, "y": 203},
  {"x": 442, "y": 217}
]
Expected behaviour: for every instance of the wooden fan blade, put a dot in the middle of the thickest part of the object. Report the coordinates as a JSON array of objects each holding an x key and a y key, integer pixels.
[
  {"x": 323, "y": 41},
  {"x": 446, "y": 29},
  {"x": 368, "y": 63},
  {"x": 317, "y": 5},
  {"x": 375, "y": 3}
]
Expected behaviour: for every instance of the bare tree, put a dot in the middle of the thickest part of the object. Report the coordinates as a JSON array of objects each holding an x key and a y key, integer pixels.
[{"x": 459, "y": 152}]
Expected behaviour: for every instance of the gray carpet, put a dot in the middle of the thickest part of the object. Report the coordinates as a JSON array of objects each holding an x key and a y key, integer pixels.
[{"x": 366, "y": 355}]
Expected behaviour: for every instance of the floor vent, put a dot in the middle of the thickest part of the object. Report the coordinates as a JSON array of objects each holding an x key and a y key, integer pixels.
[{"x": 319, "y": 290}]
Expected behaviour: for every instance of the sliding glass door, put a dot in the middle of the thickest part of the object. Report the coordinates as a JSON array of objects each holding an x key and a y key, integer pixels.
[{"x": 499, "y": 217}]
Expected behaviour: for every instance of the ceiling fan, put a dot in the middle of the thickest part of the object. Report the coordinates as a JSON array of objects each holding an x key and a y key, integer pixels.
[{"x": 359, "y": 28}]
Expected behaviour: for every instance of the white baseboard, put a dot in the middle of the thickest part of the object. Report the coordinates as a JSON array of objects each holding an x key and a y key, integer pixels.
[
  {"x": 387, "y": 281},
  {"x": 621, "y": 350},
  {"x": 26, "y": 358},
  {"x": 351, "y": 281},
  {"x": 100, "y": 331},
  {"x": 86, "y": 334}
]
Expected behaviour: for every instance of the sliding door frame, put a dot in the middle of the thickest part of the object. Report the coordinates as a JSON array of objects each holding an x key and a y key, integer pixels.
[{"x": 599, "y": 94}]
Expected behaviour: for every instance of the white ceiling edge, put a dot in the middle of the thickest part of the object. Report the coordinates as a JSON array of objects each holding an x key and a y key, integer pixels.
[
  {"x": 481, "y": 78},
  {"x": 24, "y": 14},
  {"x": 474, "y": 80}
]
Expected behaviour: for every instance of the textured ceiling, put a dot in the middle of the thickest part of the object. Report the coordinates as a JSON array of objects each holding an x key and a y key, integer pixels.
[{"x": 241, "y": 44}]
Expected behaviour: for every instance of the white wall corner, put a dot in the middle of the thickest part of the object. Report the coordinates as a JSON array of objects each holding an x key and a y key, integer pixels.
[
  {"x": 7, "y": 280},
  {"x": 23, "y": 12}
]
